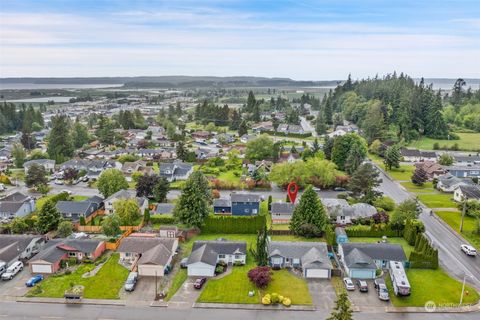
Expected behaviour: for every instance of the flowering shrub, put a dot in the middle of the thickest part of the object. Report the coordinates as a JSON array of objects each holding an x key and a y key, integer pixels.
[{"x": 260, "y": 276}]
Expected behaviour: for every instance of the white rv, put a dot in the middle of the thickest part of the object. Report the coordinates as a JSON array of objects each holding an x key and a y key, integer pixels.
[{"x": 400, "y": 283}]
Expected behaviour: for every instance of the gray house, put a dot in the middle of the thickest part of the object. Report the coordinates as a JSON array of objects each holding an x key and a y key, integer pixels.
[
  {"x": 464, "y": 171},
  {"x": 448, "y": 183},
  {"x": 176, "y": 170},
  {"x": 361, "y": 260},
  {"x": 48, "y": 164},
  {"x": 222, "y": 206},
  {"x": 16, "y": 205},
  {"x": 282, "y": 212},
  {"x": 74, "y": 210},
  {"x": 311, "y": 257},
  {"x": 19, "y": 247}
]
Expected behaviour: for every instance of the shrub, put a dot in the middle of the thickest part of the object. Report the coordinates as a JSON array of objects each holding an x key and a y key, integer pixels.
[
  {"x": 380, "y": 217},
  {"x": 342, "y": 195},
  {"x": 386, "y": 203},
  {"x": 275, "y": 298},
  {"x": 375, "y": 230},
  {"x": 287, "y": 302},
  {"x": 162, "y": 219},
  {"x": 260, "y": 276},
  {"x": 233, "y": 224},
  {"x": 220, "y": 269},
  {"x": 4, "y": 179},
  {"x": 266, "y": 300}
]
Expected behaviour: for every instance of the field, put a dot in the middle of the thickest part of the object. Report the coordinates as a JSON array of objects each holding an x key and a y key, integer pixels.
[
  {"x": 452, "y": 218},
  {"x": 404, "y": 173},
  {"x": 468, "y": 141},
  {"x": 441, "y": 200}
]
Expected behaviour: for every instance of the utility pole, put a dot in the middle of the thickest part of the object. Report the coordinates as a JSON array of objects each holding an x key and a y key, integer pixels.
[{"x": 465, "y": 199}]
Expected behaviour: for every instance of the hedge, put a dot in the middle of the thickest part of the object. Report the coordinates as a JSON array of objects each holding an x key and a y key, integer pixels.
[
  {"x": 373, "y": 231},
  {"x": 424, "y": 256},
  {"x": 162, "y": 219},
  {"x": 283, "y": 134},
  {"x": 234, "y": 224},
  {"x": 412, "y": 230}
]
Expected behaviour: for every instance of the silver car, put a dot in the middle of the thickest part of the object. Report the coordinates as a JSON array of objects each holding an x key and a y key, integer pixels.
[{"x": 131, "y": 281}]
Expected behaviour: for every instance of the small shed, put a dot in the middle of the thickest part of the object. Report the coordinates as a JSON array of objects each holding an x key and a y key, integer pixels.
[{"x": 340, "y": 235}]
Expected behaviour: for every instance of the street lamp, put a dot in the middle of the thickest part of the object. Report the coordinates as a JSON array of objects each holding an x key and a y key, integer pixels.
[{"x": 463, "y": 288}]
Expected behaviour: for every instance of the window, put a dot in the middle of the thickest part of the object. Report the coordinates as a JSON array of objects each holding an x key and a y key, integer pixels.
[
  {"x": 72, "y": 254},
  {"x": 221, "y": 256},
  {"x": 277, "y": 260},
  {"x": 247, "y": 211},
  {"x": 237, "y": 256},
  {"x": 254, "y": 211},
  {"x": 296, "y": 261}
]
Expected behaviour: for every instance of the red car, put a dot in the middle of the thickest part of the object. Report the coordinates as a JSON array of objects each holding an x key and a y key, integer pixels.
[{"x": 199, "y": 283}]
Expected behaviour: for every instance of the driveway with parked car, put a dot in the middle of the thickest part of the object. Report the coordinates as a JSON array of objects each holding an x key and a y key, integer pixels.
[
  {"x": 16, "y": 287},
  {"x": 144, "y": 290},
  {"x": 366, "y": 298},
  {"x": 186, "y": 295}
]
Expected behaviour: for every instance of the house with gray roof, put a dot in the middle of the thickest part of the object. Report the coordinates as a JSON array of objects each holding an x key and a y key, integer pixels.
[
  {"x": 245, "y": 204},
  {"x": 151, "y": 255},
  {"x": 19, "y": 247},
  {"x": 207, "y": 254},
  {"x": 177, "y": 170},
  {"x": 164, "y": 208},
  {"x": 281, "y": 212},
  {"x": 361, "y": 260},
  {"x": 222, "y": 206},
  {"x": 125, "y": 194},
  {"x": 310, "y": 257},
  {"x": 16, "y": 205},
  {"x": 448, "y": 183},
  {"x": 472, "y": 171},
  {"x": 49, "y": 259},
  {"x": 48, "y": 164},
  {"x": 466, "y": 160},
  {"x": 466, "y": 192},
  {"x": 342, "y": 213},
  {"x": 74, "y": 210}
]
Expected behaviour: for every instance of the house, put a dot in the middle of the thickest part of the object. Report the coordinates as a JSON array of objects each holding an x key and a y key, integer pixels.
[
  {"x": 340, "y": 235},
  {"x": 170, "y": 232},
  {"x": 448, "y": 183},
  {"x": 74, "y": 210},
  {"x": 222, "y": 206},
  {"x": 245, "y": 204},
  {"x": 311, "y": 257},
  {"x": 5, "y": 154},
  {"x": 164, "y": 208},
  {"x": 342, "y": 213},
  {"x": 361, "y": 260},
  {"x": 263, "y": 126},
  {"x": 48, "y": 164},
  {"x": 288, "y": 157},
  {"x": 467, "y": 160},
  {"x": 464, "y": 171},
  {"x": 466, "y": 192},
  {"x": 16, "y": 205},
  {"x": 19, "y": 247},
  {"x": 125, "y": 194},
  {"x": 432, "y": 169},
  {"x": 207, "y": 254},
  {"x": 225, "y": 137},
  {"x": 176, "y": 170},
  {"x": 247, "y": 137},
  {"x": 94, "y": 168},
  {"x": 204, "y": 135},
  {"x": 337, "y": 133},
  {"x": 414, "y": 155},
  {"x": 295, "y": 129},
  {"x": 152, "y": 255},
  {"x": 140, "y": 166},
  {"x": 49, "y": 259},
  {"x": 281, "y": 212},
  {"x": 265, "y": 165}
]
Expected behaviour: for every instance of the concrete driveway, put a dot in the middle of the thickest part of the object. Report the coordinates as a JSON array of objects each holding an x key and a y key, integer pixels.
[
  {"x": 367, "y": 299},
  {"x": 16, "y": 287},
  {"x": 323, "y": 293},
  {"x": 144, "y": 290},
  {"x": 186, "y": 295}
]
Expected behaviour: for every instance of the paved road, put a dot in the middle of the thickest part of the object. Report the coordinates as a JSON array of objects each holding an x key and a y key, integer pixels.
[
  {"x": 307, "y": 126},
  {"x": 17, "y": 311},
  {"x": 447, "y": 241}
]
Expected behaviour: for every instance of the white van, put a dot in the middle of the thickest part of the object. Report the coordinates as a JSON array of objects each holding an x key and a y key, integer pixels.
[
  {"x": 12, "y": 271},
  {"x": 3, "y": 267},
  {"x": 2, "y": 187}
]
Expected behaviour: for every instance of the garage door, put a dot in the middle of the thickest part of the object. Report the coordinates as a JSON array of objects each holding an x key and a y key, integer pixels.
[
  {"x": 317, "y": 273},
  {"x": 362, "y": 274},
  {"x": 149, "y": 270},
  {"x": 41, "y": 268},
  {"x": 201, "y": 271}
]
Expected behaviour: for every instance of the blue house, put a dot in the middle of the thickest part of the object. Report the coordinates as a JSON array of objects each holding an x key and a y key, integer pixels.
[
  {"x": 464, "y": 171},
  {"x": 341, "y": 235},
  {"x": 245, "y": 204},
  {"x": 16, "y": 205},
  {"x": 222, "y": 206}
]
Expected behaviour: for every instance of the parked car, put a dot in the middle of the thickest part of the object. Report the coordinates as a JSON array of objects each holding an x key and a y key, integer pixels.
[
  {"x": 381, "y": 288},
  {"x": 2, "y": 187},
  {"x": 199, "y": 283},
  {"x": 34, "y": 280},
  {"x": 348, "y": 284},
  {"x": 12, "y": 271},
  {"x": 362, "y": 285},
  {"x": 340, "y": 189},
  {"x": 67, "y": 192},
  {"x": 316, "y": 189},
  {"x": 183, "y": 263},
  {"x": 468, "y": 250},
  {"x": 3, "y": 267},
  {"x": 131, "y": 281},
  {"x": 59, "y": 182}
]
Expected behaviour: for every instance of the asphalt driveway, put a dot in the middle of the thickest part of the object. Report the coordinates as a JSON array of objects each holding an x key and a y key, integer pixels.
[
  {"x": 367, "y": 299},
  {"x": 144, "y": 290},
  {"x": 186, "y": 295},
  {"x": 16, "y": 287},
  {"x": 323, "y": 293}
]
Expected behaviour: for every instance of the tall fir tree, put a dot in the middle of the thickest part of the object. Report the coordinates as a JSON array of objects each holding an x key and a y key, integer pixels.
[
  {"x": 392, "y": 157},
  {"x": 309, "y": 218}
]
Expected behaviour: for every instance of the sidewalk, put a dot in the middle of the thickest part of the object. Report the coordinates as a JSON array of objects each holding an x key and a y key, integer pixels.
[
  {"x": 105, "y": 302},
  {"x": 253, "y": 306}
]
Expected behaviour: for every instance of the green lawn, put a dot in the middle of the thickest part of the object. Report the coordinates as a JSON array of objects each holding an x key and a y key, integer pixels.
[
  {"x": 406, "y": 247},
  {"x": 289, "y": 285},
  {"x": 468, "y": 141},
  {"x": 79, "y": 198},
  {"x": 296, "y": 238},
  {"x": 425, "y": 188},
  {"x": 106, "y": 284},
  {"x": 280, "y": 226},
  {"x": 432, "y": 285},
  {"x": 404, "y": 173},
  {"x": 441, "y": 200},
  {"x": 177, "y": 282},
  {"x": 41, "y": 201},
  {"x": 453, "y": 220}
]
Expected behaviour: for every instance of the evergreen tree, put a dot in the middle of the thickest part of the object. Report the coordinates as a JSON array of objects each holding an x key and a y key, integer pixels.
[
  {"x": 242, "y": 129},
  {"x": 355, "y": 158},
  {"x": 79, "y": 135},
  {"x": 392, "y": 157},
  {"x": 60, "y": 144},
  {"x": 435, "y": 126},
  {"x": 419, "y": 176},
  {"x": 320, "y": 125},
  {"x": 236, "y": 120},
  {"x": 251, "y": 102},
  {"x": 315, "y": 146},
  {"x": 18, "y": 154},
  {"x": 328, "y": 147},
  {"x": 364, "y": 182},
  {"x": 261, "y": 251},
  {"x": 342, "y": 310},
  {"x": 309, "y": 218},
  {"x": 181, "y": 151},
  {"x": 193, "y": 205},
  {"x": 48, "y": 218},
  {"x": 36, "y": 176},
  {"x": 161, "y": 189}
]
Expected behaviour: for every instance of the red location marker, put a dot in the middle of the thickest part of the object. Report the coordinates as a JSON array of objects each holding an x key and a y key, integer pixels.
[{"x": 292, "y": 191}]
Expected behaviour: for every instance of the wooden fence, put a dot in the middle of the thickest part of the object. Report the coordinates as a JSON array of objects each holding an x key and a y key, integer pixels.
[
  {"x": 98, "y": 229},
  {"x": 116, "y": 244}
]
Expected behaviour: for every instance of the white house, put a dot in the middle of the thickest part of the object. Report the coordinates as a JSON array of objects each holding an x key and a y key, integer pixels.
[
  {"x": 48, "y": 164},
  {"x": 207, "y": 254},
  {"x": 125, "y": 194},
  {"x": 466, "y": 192}
]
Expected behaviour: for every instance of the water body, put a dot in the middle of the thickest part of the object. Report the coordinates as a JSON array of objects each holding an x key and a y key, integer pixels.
[
  {"x": 42, "y": 99},
  {"x": 29, "y": 86}
]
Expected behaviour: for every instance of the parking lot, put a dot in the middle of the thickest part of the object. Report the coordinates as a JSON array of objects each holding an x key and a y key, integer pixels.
[
  {"x": 367, "y": 299},
  {"x": 16, "y": 287}
]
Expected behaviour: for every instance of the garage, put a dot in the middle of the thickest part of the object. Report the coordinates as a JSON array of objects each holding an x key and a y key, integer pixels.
[
  {"x": 362, "y": 274},
  {"x": 150, "y": 270},
  {"x": 317, "y": 273},
  {"x": 200, "y": 269},
  {"x": 41, "y": 268}
]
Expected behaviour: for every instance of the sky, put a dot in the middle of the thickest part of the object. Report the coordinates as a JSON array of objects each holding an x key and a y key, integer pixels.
[{"x": 298, "y": 39}]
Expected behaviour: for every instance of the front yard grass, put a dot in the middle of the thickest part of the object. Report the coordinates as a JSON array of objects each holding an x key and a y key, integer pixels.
[
  {"x": 177, "y": 282},
  {"x": 106, "y": 284},
  {"x": 468, "y": 141},
  {"x": 452, "y": 218},
  {"x": 425, "y": 188},
  {"x": 288, "y": 285},
  {"x": 432, "y": 285},
  {"x": 441, "y": 200}
]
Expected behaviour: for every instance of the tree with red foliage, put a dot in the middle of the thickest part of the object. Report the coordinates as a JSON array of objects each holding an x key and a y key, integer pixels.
[{"x": 260, "y": 276}]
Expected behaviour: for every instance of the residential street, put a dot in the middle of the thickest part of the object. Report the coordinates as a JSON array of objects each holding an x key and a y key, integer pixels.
[
  {"x": 17, "y": 311},
  {"x": 448, "y": 242},
  {"x": 307, "y": 127}
]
